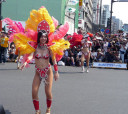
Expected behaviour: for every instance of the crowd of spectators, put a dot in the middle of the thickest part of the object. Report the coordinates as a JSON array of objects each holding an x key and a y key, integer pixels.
[
  {"x": 104, "y": 49},
  {"x": 7, "y": 50},
  {"x": 108, "y": 49}
]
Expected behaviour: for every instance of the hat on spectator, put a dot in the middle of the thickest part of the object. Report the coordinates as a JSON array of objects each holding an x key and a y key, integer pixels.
[
  {"x": 99, "y": 50},
  {"x": 88, "y": 35}
]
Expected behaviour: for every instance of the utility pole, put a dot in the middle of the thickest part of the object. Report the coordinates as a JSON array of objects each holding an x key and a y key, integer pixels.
[
  {"x": 1, "y": 14},
  {"x": 100, "y": 15},
  {"x": 111, "y": 16},
  {"x": 0, "y": 17},
  {"x": 112, "y": 1}
]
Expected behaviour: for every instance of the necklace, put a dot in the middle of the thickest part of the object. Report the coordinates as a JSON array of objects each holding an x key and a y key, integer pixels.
[{"x": 42, "y": 46}]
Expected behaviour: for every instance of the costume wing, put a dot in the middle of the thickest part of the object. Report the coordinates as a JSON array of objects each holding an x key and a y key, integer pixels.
[
  {"x": 13, "y": 27},
  {"x": 75, "y": 40},
  {"x": 58, "y": 48},
  {"x": 24, "y": 44},
  {"x": 59, "y": 33},
  {"x": 60, "y": 44}
]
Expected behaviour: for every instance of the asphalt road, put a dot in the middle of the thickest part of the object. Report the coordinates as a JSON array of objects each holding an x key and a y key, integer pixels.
[{"x": 101, "y": 91}]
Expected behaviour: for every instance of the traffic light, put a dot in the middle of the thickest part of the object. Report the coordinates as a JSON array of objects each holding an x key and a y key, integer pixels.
[{"x": 108, "y": 23}]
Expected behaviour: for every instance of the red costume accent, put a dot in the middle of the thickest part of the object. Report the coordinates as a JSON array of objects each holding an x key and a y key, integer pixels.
[
  {"x": 38, "y": 56},
  {"x": 49, "y": 102},
  {"x": 55, "y": 67},
  {"x": 28, "y": 61},
  {"x": 75, "y": 40},
  {"x": 86, "y": 54},
  {"x": 36, "y": 104},
  {"x": 43, "y": 25},
  {"x": 43, "y": 72}
]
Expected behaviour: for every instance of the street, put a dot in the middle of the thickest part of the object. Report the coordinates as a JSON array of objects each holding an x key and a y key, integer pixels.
[{"x": 101, "y": 91}]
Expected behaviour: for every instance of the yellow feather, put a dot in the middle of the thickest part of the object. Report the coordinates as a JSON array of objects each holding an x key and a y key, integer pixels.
[
  {"x": 21, "y": 43},
  {"x": 36, "y": 16}
]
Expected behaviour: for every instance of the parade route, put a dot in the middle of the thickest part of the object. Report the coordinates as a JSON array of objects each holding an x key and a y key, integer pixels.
[{"x": 101, "y": 91}]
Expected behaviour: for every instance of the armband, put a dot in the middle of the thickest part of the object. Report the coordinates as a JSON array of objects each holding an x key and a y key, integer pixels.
[{"x": 55, "y": 67}]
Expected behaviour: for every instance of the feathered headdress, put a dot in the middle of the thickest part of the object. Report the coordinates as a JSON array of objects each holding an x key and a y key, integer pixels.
[{"x": 40, "y": 20}]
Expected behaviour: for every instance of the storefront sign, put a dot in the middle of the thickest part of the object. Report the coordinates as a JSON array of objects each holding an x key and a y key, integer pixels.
[{"x": 80, "y": 2}]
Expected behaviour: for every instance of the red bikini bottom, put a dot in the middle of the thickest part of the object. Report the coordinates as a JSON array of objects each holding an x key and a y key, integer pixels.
[{"x": 43, "y": 72}]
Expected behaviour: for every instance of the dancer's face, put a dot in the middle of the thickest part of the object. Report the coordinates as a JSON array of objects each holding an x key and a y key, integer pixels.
[{"x": 43, "y": 39}]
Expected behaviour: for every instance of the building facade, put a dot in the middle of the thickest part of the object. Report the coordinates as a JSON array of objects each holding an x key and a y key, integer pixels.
[
  {"x": 71, "y": 15},
  {"x": 105, "y": 14},
  {"x": 125, "y": 27},
  {"x": 85, "y": 15},
  {"x": 117, "y": 24},
  {"x": 96, "y": 11}
]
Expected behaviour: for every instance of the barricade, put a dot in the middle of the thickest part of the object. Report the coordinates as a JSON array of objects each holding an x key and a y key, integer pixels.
[{"x": 110, "y": 65}]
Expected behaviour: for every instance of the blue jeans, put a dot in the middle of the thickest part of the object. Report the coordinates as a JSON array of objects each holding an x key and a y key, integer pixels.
[
  {"x": 3, "y": 52},
  {"x": 122, "y": 57}
]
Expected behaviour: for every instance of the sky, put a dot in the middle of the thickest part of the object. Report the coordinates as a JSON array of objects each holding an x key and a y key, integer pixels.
[{"x": 119, "y": 10}]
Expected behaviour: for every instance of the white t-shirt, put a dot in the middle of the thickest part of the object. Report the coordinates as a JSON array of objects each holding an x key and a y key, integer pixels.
[
  {"x": 66, "y": 53},
  {"x": 94, "y": 54},
  {"x": 105, "y": 46},
  {"x": 122, "y": 49},
  {"x": 80, "y": 53}
]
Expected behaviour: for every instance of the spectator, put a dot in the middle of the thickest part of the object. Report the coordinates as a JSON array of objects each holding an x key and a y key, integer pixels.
[
  {"x": 97, "y": 45},
  {"x": 93, "y": 56},
  {"x": 78, "y": 58},
  {"x": 126, "y": 44},
  {"x": 108, "y": 56},
  {"x": 66, "y": 58},
  {"x": 126, "y": 56},
  {"x": 116, "y": 56},
  {"x": 99, "y": 56},
  {"x": 12, "y": 55},
  {"x": 72, "y": 55},
  {"x": 4, "y": 45},
  {"x": 105, "y": 45},
  {"x": 122, "y": 51},
  {"x": 80, "y": 31}
]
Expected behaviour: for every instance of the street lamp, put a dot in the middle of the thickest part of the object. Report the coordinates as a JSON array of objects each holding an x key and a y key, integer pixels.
[
  {"x": 0, "y": 14},
  {"x": 112, "y": 1}
]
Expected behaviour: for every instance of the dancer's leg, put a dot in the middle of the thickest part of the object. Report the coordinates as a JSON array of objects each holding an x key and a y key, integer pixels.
[
  {"x": 35, "y": 89},
  {"x": 82, "y": 62},
  {"x": 87, "y": 62},
  {"x": 48, "y": 90}
]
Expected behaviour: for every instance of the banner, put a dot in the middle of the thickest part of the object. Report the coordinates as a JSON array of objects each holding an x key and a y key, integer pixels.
[{"x": 110, "y": 65}]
